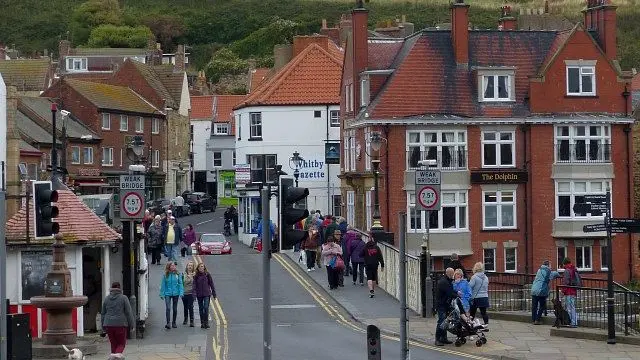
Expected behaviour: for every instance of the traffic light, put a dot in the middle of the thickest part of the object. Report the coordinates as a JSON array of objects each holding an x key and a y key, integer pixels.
[
  {"x": 43, "y": 209},
  {"x": 374, "y": 351},
  {"x": 289, "y": 215}
]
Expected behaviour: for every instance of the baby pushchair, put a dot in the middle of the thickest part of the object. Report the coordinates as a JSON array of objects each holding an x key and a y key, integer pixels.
[{"x": 460, "y": 325}]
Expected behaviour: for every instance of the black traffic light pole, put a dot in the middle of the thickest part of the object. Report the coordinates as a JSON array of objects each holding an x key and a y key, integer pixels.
[
  {"x": 611, "y": 326},
  {"x": 265, "y": 195}
]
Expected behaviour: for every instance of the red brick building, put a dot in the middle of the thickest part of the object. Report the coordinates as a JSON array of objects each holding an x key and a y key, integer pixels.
[
  {"x": 117, "y": 114},
  {"x": 522, "y": 125}
]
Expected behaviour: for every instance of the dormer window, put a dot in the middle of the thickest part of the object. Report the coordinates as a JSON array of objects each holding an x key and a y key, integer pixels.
[
  {"x": 76, "y": 64},
  {"x": 221, "y": 129},
  {"x": 496, "y": 85},
  {"x": 581, "y": 77}
]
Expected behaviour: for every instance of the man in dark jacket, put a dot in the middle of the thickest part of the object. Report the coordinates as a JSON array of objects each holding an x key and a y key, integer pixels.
[
  {"x": 444, "y": 295},
  {"x": 456, "y": 264},
  {"x": 372, "y": 255}
]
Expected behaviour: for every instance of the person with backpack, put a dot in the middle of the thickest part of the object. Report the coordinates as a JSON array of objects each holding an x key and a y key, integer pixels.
[
  {"x": 540, "y": 291},
  {"x": 571, "y": 278},
  {"x": 372, "y": 258}
]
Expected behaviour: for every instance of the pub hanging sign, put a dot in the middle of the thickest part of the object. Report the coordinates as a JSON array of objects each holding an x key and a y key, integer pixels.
[{"x": 499, "y": 177}]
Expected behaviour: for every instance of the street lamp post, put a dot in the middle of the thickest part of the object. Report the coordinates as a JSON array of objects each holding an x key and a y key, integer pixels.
[
  {"x": 54, "y": 151},
  {"x": 295, "y": 163},
  {"x": 376, "y": 140}
]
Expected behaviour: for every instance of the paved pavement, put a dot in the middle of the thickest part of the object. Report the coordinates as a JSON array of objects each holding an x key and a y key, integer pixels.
[{"x": 506, "y": 339}]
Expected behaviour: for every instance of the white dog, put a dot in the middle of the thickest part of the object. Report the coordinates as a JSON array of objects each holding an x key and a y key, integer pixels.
[{"x": 74, "y": 354}]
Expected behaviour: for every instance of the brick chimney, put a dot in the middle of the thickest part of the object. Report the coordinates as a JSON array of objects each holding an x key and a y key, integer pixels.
[
  {"x": 360, "y": 41},
  {"x": 333, "y": 33},
  {"x": 460, "y": 31},
  {"x": 302, "y": 42},
  {"x": 179, "y": 65},
  {"x": 507, "y": 21},
  {"x": 282, "y": 54},
  {"x": 64, "y": 47},
  {"x": 600, "y": 17},
  {"x": 344, "y": 28}
]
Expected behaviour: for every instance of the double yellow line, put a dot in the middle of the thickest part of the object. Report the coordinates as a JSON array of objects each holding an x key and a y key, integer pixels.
[
  {"x": 334, "y": 312},
  {"x": 219, "y": 345}
]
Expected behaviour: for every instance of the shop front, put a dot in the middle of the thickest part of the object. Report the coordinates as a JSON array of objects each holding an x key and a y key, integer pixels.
[{"x": 227, "y": 194}]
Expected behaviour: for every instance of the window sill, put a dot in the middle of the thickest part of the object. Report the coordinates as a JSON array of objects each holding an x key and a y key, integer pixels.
[
  {"x": 121, "y": 130},
  {"x": 588, "y": 96},
  {"x": 497, "y": 101},
  {"x": 511, "y": 271},
  {"x": 106, "y": 129},
  {"x": 579, "y": 218},
  {"x": 139, "y": 132},
  {"x": 500, "y": 230},
  {"x": 255, "y": 139},
  {"x": 109, "y": 165},
  {"x": 497, "y": 167},
  {"x": 439, "y": 231},
  {"x": 155, "y": 133},
  {"x": 75, "y": 163},
  {"x": 88, "y": 163}
]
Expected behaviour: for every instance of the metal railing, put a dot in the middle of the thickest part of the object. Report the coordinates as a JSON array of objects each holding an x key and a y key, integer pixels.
[
  {"x": 583, "y": 152},
  {"x": 448, "y": 159}
]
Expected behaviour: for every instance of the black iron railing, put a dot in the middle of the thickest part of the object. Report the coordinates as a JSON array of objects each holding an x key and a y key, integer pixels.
[
  {"x": 583, "y": 152},
  {"x": 450, "y": 158}
]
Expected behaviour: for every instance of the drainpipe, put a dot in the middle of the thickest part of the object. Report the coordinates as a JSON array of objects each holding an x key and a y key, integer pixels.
[
  {"x": 386, "y": 178},
  {"x": 527, "y": 253},
  {"x": 628, "y": 131},
  {"x": 329, "y": 199}
]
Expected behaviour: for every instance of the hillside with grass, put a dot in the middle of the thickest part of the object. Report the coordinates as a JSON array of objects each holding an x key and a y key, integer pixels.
[{"x": 248, "y": 29}]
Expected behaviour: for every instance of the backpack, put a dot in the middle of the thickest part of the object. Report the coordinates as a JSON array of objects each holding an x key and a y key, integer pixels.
[{"x": 574, "y": 278}]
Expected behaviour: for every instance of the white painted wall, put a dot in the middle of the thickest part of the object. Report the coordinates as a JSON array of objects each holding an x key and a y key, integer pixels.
[
  {"x": 185, "y": 98},
  {"x": 3, "y": 122},
  {"x": 286, "y": 129},
  {"x": 201, "y": 134}
]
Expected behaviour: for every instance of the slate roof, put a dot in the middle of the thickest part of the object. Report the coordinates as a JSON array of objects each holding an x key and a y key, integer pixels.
[
  {"x": 427, "y": 80},
  {"x": 202, "y": 107},
  {"x": 312, "y": 77},
  {"x": 26, "y": 74},
  {"x": 31, "y": 131},
  {"x": 77, "y": 223},
  {"x": 25, "y": 146},
  {"x": 41, "y": 106},
  {"x": 112, "y": 97}
]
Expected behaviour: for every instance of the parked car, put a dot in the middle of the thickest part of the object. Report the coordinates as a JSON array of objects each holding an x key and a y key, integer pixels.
[
  {"x": 201, "y": 202},
  {"x": 212, "y": 244},
  {"x": 158, "y": 206}
]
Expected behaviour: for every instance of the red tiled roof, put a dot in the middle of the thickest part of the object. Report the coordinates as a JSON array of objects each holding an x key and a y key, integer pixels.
[
  {"x": 382, "y": 52},
  {"x": 202, "y": 107},
  {"x": 557, "y": 45},
  {"x": 77, "y": 222},
  {"x": 427, "y": 79},
  {"x": 257, "y": 76},
  {"x": 312, "y": 77},
  {"x": 223, "y": 106}
]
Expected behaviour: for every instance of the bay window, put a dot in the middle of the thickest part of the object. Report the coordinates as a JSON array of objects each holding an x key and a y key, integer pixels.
[
  {"x": 452, "y": 216},
  {"x": 569, "y": 193},
  {"x": 583, "y": 143},
  {"x": 447, "y": 147}
]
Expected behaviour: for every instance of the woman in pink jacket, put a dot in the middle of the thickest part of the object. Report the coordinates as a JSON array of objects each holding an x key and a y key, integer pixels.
[{"x": 330, "y": 251}]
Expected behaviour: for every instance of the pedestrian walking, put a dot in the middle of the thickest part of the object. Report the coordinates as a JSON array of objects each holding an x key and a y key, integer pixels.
[
  {"x": 204, "y": 289},
  {"x": 479, "y": 292},
  {"x": 572, "y": 280},
  {"x": 188, "y": 297},
  {"x": 337, "y": 238},
  {"x": 172, "y": 237},
  {"x": 540, "y": 291},
  {"x": 330, "y": 252},
  {"x": 456, "y": 264},
  {"x": 188, "y": 238},
  {"x": 372, "y": 259},
  {"x": 117, "y": 318},
  {"x": 462, "y": 288},
  {"x": 444, "y": 295},
  {"x": 356, "y": 248},
  {"x": 348, "y": 236},
  {"x": 310, "y": 247},
  {"x": 171, "y": 289},
  {"x": 156, "y": 240}
]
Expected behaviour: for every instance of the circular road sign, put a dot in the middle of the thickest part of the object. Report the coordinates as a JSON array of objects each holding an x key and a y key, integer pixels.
[
  {"x": 132, "y": 203},
  {"x": 428, "y": 197}
]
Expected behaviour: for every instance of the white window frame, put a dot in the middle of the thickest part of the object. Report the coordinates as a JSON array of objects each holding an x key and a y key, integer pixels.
[
  {"x": 351, "y": 207},
  {"x": 334, "y": 118},
  {"x": 352, "y": 150},
  {"x": 499, "y": 203},
  {"x": 156, "y": 158},
  {"x": 496, "y": 78},
  {"x": 87, "y": 151},
  {"x": 497, "y": 142},
  {"x": 217, "y": 159},
  {"x": 565, "y": 250},
  {"x": 107, "y": 154},
  {"x": 460, "y": 203},
  {"x": 602, "y": 141},
  {"x": 345, "y": 151},
  {"x": 124, "y": 120},
  {"x": 368, "y": 204},
  {"x": 367, "y": 151},
  {"x": 336, "y": 201},
  {"x": 77, "y": 64},
  {"x": 515, "y": 254},
  {"x": 346, "y": 98},
  {"x": 603, "y": 255},
  {"x": 121, "y": 156},
  {"x": 573, "y": 193},
  {"x": 364, "y": 92},
  {"x": 75, "y": 150},
  {"x": 139, "y": 124},
  {"x": 255, "y": 125},
  {"x": 492, "y": 250},
  {"x": 234, "y": 158},
  {"x": 583, "y": 71},
  {"x": 423, "y": 145},
  {"x": 221, "y": 129},
  {"x": 582, "y": 267},
  {"x": 155, "y": 126},
  {"x": 106, "y": 120}
]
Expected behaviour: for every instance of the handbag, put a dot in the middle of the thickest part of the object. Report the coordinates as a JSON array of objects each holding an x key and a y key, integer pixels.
[
  {"x": 339, "y": 263},
  {"x": 332, "y": 262}
]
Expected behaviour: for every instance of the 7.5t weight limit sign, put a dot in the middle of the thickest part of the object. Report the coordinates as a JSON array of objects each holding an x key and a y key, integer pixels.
[{"x": 428, "y": 190}]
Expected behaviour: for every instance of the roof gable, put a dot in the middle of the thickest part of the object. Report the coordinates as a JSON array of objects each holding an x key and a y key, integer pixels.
[
  {"x": 312, "y": 77},
  {"x": 26, "y": 74}
]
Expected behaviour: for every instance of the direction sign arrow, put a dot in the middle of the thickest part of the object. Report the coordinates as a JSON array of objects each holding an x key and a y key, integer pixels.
[
  {"x": 582, "y": 208},
  {"x": 625, "y": 222},
  {"x": 596, "y": 199}
]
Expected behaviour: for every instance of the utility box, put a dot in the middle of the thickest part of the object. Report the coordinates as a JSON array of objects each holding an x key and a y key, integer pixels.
[{"x": 18, "y": 337}]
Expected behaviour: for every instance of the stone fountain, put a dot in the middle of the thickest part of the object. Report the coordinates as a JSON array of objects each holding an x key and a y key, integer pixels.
[{"x": 58, "y": 302}]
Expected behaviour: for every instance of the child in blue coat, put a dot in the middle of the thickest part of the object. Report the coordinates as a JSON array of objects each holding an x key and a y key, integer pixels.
[{"x": 462, "y": 288}]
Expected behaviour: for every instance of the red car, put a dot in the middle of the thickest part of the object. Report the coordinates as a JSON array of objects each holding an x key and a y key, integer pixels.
[{"x": 212, "y": 244}]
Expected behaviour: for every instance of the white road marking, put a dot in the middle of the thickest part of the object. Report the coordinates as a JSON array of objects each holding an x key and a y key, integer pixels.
[
  {"x": 293, "y": 306},
  {"x": 204, "y": 222},
  {"x": 283, "y": 325},
  {"x": 256, "y": 299}
]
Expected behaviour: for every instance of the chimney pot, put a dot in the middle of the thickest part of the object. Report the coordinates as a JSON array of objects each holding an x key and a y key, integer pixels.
[
  {"x": 179, "y": 59},
  {"x": 324, "y": 23}
]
